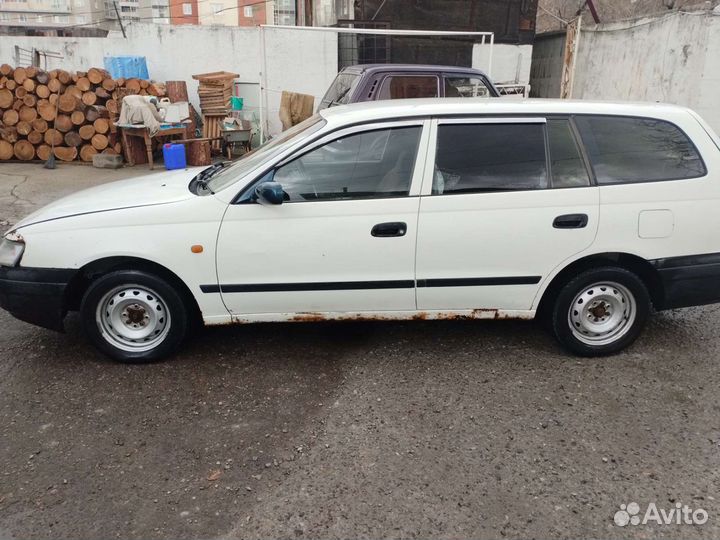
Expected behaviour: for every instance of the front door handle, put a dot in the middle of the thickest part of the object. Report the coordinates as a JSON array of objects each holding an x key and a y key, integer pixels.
[
  {"x": 571, "y": 221},
  {"x": 393, "y": 228}
]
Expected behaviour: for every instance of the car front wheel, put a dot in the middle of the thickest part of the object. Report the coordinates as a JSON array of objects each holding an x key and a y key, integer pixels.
[
  {"x": 601, "y": 311},
  {"x": 134, "y": 316}
]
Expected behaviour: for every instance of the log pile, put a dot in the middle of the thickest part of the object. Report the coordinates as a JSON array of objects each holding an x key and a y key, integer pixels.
[{"x": 69, "y": 114}]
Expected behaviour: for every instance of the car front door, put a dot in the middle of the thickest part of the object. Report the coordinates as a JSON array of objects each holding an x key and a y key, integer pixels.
[
  {"x": 505, "y": 201},
  {"x": 343, "y": 241}
]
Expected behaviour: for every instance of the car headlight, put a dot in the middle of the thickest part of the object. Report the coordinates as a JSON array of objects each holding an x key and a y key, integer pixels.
[{"x": 11, "y": 251}]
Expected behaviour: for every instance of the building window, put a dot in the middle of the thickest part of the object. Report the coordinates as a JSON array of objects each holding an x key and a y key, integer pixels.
[
  {"x": 187, "y": 9},
  {"x": 248, "y": 12},
  {"x": 80, "y": 19},
  {"x": 160, "y": 12},
  {"x": 285, "y": 12}
]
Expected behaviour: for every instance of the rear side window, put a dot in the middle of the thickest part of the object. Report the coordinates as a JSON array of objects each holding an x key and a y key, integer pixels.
[
  {"x": 465, "y": 87},
  {"x": 409, "y": 86},
  {"x": 566, "y": 163},
  {"x": 476, "y": 158},
  {"x": 626, "y": 150}
]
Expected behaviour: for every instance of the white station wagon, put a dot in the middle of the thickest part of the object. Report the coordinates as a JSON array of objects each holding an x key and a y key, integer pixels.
[{"x": 587, "y": 215}]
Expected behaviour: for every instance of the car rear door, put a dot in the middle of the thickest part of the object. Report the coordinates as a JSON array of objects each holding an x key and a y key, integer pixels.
[
  {"x": 343, "y": 243},
  {"x": 504, "y": 202}
]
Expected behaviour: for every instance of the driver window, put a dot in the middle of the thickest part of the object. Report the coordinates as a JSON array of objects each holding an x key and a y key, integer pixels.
[{"x": 367, "y": 165}]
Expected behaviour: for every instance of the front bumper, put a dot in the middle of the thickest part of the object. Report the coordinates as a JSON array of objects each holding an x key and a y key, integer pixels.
[{"x": 35, "y": 295}]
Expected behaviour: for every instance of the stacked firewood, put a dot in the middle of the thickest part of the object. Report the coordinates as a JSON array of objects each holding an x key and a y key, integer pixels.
[{"x": 72, "y": 115}]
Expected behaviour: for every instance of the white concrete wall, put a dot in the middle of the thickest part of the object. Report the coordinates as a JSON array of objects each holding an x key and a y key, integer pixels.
[
  {"x": 510, "y": 63},
  {"x": 673, "y": 59},
  {"x": 299, "y": 61}
]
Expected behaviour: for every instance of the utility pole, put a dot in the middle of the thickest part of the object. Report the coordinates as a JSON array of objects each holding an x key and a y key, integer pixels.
[
  {"x": 572, "y": 41},
  {"x": 572, "y": 46},
  {"x": 117, "y": 13}
]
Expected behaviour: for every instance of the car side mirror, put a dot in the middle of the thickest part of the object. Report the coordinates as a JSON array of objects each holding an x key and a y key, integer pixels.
[{"x": 270, "y": 193}]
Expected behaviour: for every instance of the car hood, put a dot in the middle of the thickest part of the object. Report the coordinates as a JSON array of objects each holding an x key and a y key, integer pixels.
[{"x": 161, "y": 188}]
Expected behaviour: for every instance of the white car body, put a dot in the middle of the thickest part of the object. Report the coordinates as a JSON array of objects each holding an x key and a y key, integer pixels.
[{"x": 475, "y": 255}]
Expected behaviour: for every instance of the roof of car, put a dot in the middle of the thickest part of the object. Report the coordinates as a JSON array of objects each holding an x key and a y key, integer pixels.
[
  {"x": 363, "y": 68},
  {"x": 409, "y": 108}
]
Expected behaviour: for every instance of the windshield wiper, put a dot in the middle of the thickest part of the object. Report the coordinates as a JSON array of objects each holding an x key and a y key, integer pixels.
[
  {"x": 336, "y": 101},
  {"x": 201, "y": 180},
  {"x": 202, "y": 184}
]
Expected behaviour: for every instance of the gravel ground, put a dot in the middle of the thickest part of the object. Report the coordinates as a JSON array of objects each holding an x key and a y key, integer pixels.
[{"x": 338, "y": 430}]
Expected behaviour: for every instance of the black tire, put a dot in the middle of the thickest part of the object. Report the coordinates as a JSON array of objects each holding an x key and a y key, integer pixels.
[
  {"x": 581, "y": 289},
  {"x": 159, "y": 303}
]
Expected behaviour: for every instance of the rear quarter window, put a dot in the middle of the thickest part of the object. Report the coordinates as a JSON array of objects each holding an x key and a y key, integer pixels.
[{"x": 627, "y": 150}]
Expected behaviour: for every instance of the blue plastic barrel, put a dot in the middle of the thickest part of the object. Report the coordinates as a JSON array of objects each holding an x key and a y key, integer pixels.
[{"x": 174, "y": 156}]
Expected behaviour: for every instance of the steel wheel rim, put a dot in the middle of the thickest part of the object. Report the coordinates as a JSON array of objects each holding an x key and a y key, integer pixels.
[
  {"x": 602, "y": 313},
  {"x": 133, "y": 318}
]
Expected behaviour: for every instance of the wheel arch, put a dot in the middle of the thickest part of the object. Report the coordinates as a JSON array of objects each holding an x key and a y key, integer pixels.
[
  {"x": 82, "y": 279},
  {"x": 633, "y": 263}
]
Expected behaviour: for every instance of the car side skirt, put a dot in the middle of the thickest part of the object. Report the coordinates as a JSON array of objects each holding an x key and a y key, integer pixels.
[{"x": 310, "y": 316}]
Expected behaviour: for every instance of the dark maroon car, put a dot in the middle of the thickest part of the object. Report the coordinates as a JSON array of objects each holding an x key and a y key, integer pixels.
[{"x": 371, "y": 82}]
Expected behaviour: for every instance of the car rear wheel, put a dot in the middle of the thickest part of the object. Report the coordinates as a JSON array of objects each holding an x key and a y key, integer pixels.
[
  {"x": 133, "y": 316},
  {"x": 601, "y": 311}
]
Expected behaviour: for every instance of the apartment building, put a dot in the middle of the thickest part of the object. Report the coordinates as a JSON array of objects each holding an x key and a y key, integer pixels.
[
  {"x": 283, "y": 12},
  {"x": 36, "y": 12},
  {"x": 128, "y": 10},
  {"x": 253, "y": 13},
  {"x": 218, "y": 12},
  {"x": 157, "y": 11},
  {"x": 184, "y": 12}
]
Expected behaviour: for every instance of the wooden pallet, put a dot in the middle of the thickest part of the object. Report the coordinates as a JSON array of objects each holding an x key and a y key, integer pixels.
[
  {"x": 215, "y": 90},
  {"x": 212, "y": 126}
]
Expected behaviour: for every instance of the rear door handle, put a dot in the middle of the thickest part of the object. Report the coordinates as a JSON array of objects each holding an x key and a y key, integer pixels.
[
  {"x": 571, "y": 221},
  {"x": 393, "y": 228}
]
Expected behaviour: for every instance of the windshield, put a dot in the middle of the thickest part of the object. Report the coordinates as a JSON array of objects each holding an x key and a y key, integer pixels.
[
  {"x": 340, "y": 90},
  {"x": 271, "y": 148}
]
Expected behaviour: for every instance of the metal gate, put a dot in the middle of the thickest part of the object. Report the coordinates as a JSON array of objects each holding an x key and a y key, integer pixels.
[{"x": 363, "y": 48}]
